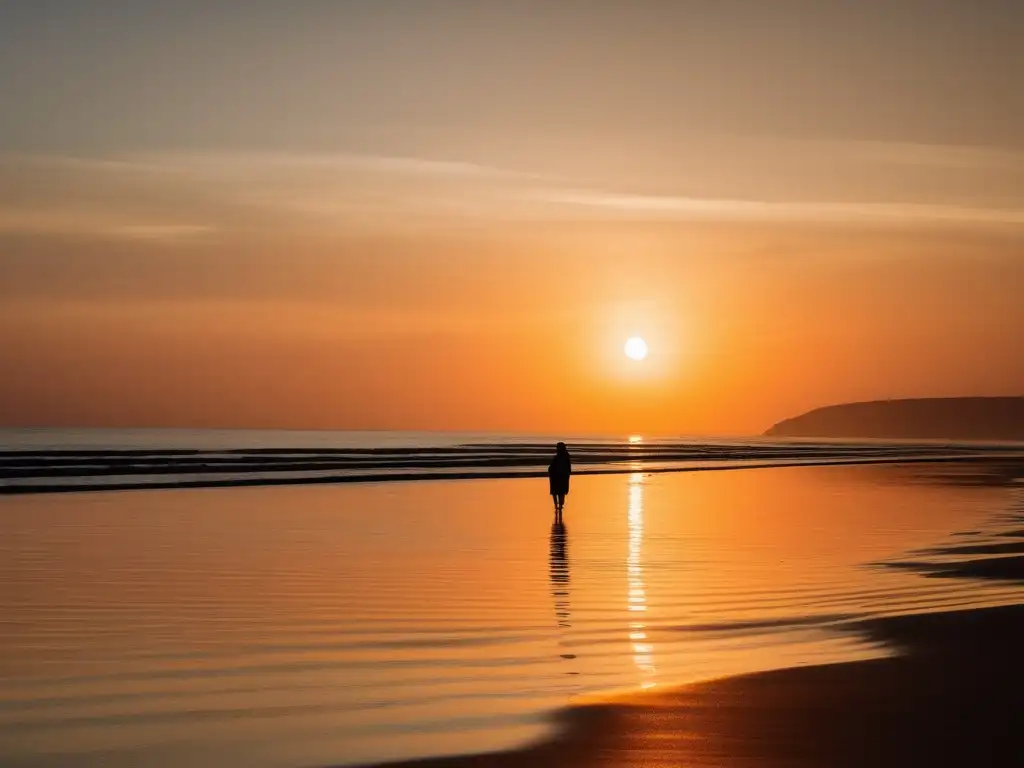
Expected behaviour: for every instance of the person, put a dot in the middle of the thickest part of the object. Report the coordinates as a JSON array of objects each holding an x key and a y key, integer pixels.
[{"x": 558, "y": 477}]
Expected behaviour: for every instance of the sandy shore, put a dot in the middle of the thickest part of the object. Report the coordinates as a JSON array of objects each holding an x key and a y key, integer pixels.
[{"x": 953, "y": 697}]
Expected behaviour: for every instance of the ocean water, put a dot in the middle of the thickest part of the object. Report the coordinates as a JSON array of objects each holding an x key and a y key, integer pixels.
[
  {"x": 318, "y": 625},
  {"x": 212, "y": 440}
]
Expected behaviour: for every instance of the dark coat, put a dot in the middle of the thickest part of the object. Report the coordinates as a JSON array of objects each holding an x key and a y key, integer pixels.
[{"x": 558, "y": 474}]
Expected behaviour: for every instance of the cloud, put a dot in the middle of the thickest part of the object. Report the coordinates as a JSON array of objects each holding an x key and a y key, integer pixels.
[
  {"x": 256, "y": 163},
  {"x": 898, "y": 155},
  {"x": 180, "y": 196},
  {"x": 174, "y": 195},
  {"x": 65, "y": 222},
  {"x": 667, "y": 206}
]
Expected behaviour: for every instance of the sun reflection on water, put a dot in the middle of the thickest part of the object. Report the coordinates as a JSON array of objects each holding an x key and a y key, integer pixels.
[{"x": 637, "y": 595}]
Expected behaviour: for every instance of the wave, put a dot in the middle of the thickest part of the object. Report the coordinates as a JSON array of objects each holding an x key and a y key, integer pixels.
[{"x": 65, "y": 470}]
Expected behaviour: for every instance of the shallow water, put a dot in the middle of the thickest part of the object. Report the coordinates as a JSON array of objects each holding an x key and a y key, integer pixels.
[{"x": 341, "y": 624}]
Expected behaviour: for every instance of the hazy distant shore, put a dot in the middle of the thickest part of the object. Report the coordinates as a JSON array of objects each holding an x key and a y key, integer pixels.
[
  {"x": 54, "y": 471},
  {"x": 944, "y": 418}
]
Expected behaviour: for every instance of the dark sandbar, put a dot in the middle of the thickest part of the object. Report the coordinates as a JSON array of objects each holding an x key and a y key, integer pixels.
[
  {"x": 1003, "y": 568},
  {"x": 1002, "y": 548}
]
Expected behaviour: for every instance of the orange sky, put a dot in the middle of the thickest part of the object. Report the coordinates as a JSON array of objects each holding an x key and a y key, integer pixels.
[{"x": 463, "y": 236}]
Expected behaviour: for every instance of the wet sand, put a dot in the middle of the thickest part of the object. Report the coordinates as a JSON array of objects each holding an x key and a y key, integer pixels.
[{"x": 952, "y": 697}]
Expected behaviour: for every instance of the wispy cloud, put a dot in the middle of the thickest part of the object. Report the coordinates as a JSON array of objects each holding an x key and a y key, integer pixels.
[
  {"x": 179, "y": 196},
  {"x": 79, "y": 223},
  {"x": 665, "y": 206},
  {"x": 219, "y": 163},
  {"x": 895, "y": 154}
]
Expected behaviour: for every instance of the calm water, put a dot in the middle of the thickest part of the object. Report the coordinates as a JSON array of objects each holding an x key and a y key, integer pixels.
[
  {"x": 230, "y": 439},
  {"x": 327, "y": 625}
]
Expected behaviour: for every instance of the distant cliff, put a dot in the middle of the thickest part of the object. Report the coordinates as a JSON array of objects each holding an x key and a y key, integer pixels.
[{"x": 953, "y": 418}]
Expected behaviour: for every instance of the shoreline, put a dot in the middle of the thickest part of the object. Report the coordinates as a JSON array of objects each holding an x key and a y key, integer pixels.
[
  {"x": 710, "y": 465},
  {"x": 950, "y": 697}
]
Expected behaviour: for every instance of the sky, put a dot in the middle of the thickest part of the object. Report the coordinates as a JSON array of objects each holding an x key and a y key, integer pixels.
[{"x": 430, "y": 214}]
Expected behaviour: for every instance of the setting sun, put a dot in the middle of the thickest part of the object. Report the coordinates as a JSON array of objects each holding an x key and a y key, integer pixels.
[{"x": 636, "y": 348}]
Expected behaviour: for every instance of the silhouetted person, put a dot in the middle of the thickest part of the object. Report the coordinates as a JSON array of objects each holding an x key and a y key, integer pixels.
[{"x": 558, "y": 478}]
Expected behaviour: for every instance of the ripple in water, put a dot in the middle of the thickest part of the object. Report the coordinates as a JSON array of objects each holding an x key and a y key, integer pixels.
[{"x": 331, "y": 625}]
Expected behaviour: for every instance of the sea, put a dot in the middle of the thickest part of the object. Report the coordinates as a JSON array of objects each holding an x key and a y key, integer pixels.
[{"x": 293, "y": 599}]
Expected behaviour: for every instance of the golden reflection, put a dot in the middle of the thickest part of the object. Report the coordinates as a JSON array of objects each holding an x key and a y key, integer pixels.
[
  {"x": 635, "y": 441},
  {"x": 636, "y": 593}
]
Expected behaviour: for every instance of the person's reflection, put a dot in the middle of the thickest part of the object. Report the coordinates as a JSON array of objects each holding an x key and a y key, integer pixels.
[{"x": 559, "y": 573}]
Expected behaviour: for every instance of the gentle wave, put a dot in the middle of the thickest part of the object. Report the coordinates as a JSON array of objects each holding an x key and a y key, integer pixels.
[{"x": 29, "y": 470}]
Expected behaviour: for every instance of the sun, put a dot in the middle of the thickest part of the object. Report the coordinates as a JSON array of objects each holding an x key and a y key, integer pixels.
[{"x": 636, "y": 348}]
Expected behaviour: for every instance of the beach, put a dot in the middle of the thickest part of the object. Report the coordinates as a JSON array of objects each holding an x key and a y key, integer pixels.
[
  {"x": 379, "y": 622},
  {"x": 952, "y": 697}
]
